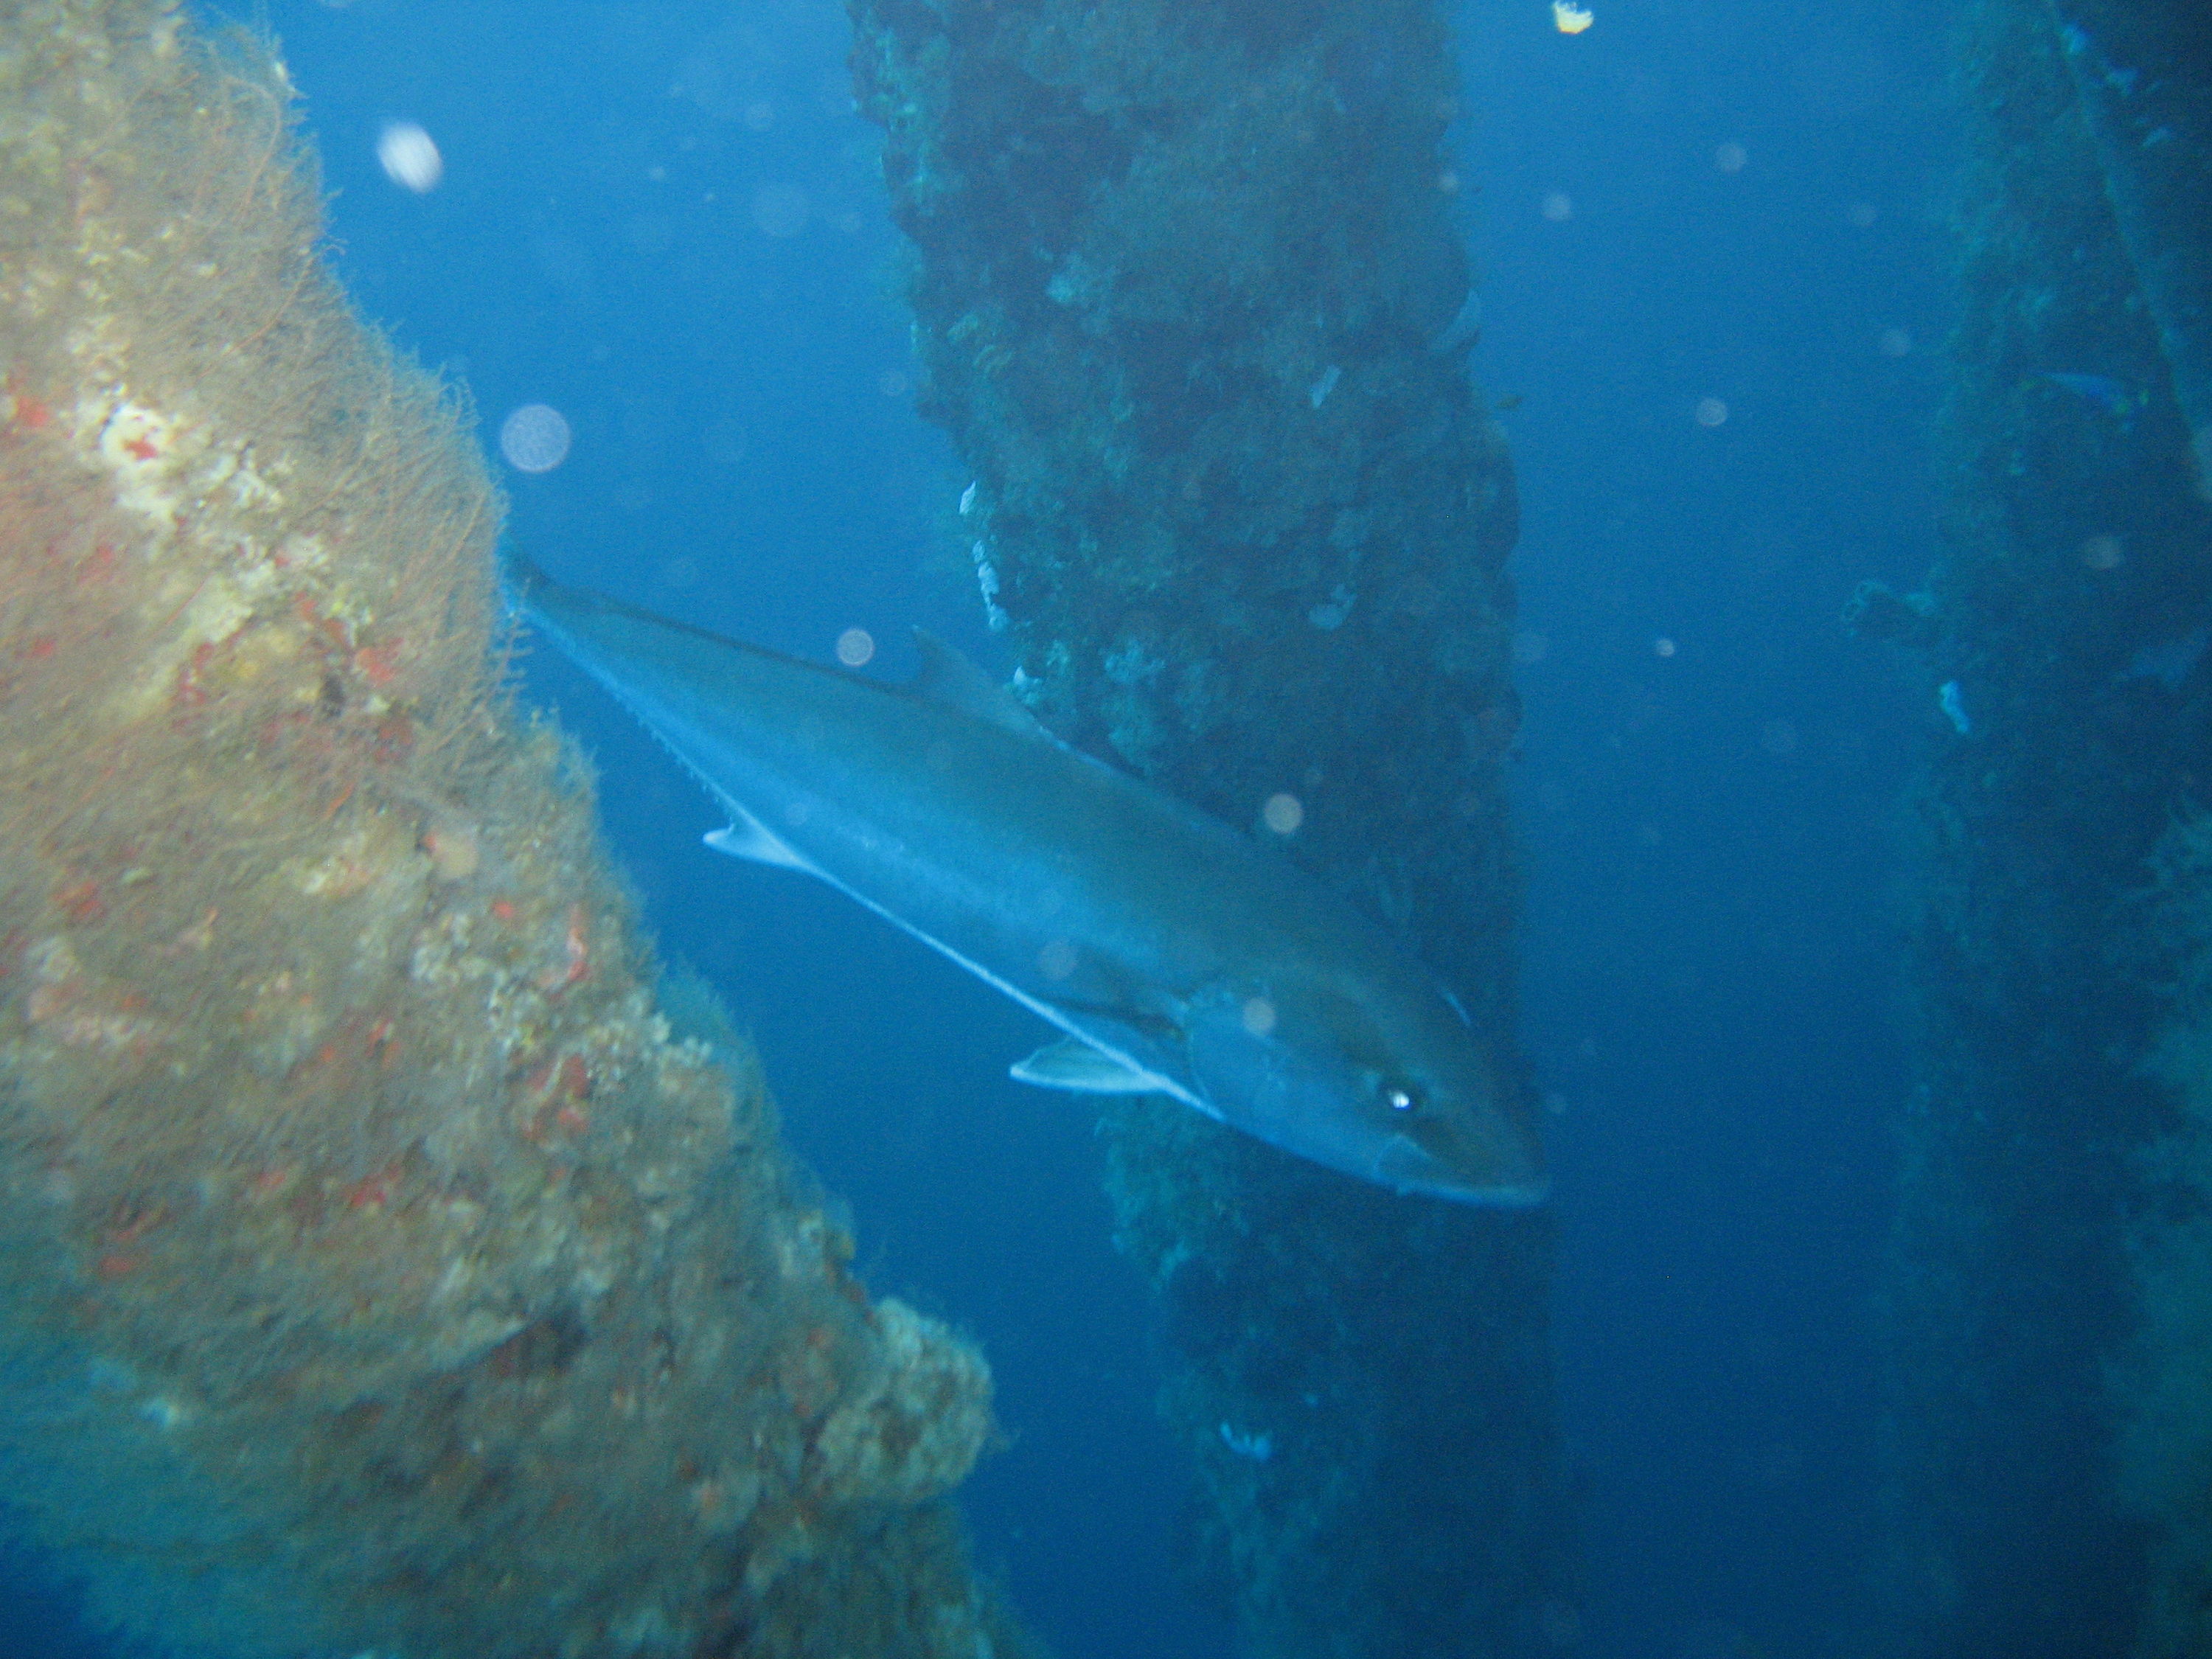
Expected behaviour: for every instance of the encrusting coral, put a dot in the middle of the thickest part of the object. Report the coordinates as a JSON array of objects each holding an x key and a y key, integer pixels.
[{"x": 381, "y": 1271}]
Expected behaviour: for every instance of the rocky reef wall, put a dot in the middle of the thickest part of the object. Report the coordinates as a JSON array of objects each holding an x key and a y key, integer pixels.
[
  {"x": 1190, "y": 298},
  {"x": 381, "y": 1270},
  {"x": 2051, "y": 1441}
]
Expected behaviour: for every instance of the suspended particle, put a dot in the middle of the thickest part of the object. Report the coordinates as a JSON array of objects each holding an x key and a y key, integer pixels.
[
  {"x": 534, "y": 438},
  {"x": 781, "y": 210},
  {"x": 408, "y": 156}
]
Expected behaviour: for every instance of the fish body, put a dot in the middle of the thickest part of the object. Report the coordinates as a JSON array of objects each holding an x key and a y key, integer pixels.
[
  {"x": 1175, "y": 955},
  {"x": 2116, "y": 397}
]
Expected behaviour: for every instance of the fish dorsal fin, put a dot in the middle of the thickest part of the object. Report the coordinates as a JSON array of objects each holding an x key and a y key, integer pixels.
[
  {"x": 1074, "y": 1064},
  {"x": 748, "y": 838},
  {"x": 950, "y": 679}
]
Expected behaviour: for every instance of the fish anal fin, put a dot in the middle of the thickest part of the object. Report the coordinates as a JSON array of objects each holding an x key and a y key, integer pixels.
[
  {"x": 951, "y": 680},
  {"x": 748, "y": 838},
  {"x": 1074, "y": 1064}
]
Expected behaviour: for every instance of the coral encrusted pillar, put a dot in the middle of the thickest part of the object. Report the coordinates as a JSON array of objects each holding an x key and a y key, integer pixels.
[
  {"x": 380, "y": 1270},
  {"x": 2050, "y": 1431},
  {"x": 1190, "y": 299}
]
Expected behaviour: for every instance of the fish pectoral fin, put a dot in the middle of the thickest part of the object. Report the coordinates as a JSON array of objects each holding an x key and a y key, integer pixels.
[
  {"x": 747, "y": 838},
  {"x": 1073, "y": 1064}
]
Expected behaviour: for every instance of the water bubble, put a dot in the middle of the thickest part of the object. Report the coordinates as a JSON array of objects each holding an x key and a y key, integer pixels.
[
  {"x": 1057, "y": 959},
  {"x": 1559, "y": 207},
  {"x": 1895, "y": 343},
  {"x": 1730, "y": 158},
  {"x": 855, "y": 646},
  {"x": 1863, "y": 214},
  {"x": 1259, "y": 1016},
  {"x": 2102, "y": 553},
  {"x": 1283, "y": 814},
  {"x": 409, "y": 157},
  {"x": 1662, "y": 646},
  {"x": 534, "y": 439},
  {"x": 1710, "y": 411}
]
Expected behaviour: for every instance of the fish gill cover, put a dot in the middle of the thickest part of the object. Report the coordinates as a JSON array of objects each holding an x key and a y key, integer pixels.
[{"x": 378, "y": 1269}]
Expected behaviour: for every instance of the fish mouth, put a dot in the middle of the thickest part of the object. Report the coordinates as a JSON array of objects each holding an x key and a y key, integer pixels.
[{"x": 1405, "y": 1166}]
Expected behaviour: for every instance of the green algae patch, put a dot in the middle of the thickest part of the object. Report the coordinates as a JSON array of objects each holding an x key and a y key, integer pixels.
[{"x": 382, "y": 1271}]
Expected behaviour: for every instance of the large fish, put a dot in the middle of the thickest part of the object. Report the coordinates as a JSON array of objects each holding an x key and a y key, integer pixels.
[{"x": 1177, "y": 955}]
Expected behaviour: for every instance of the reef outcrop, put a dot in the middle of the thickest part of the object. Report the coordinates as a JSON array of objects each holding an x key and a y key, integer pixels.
[{"x": 381, "y": 1268}]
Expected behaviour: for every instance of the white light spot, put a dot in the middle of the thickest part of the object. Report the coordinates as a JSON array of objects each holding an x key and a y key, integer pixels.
[
  {"x": 1895, "y": 343},
  {"x": 892, "y": 384},
  {"x": 1710, "y": 411},
  {"x": 2102, "y": 553},
  {"x": 781, "y": 210},
  {"x": 1730, "y": 158},
  {"x": 1056, "y": 959},
  {"x": 1559, "y": 207},
  {"x": 1259, "y": 1016},
  {"x": 1282, "y": 813},
  {"x": 534, "y": 439},
  {"x": 409, "y": 157},
  {"x": 1662, "y": 646},
  {"x": 855, "y": 646}
]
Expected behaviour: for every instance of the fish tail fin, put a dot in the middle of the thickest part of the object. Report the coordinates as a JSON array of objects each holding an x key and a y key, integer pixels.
[{"x": 520, "y": 579}]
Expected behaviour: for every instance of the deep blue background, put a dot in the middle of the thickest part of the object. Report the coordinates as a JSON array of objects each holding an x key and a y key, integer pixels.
[{"x": 1712, "y": 836}]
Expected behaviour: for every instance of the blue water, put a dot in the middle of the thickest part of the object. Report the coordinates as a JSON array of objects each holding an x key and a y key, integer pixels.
[{"x": 1712, "y": 200}]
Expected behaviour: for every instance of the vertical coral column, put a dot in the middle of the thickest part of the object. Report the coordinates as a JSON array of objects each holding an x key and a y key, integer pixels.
[
  {"x": 1190, "y": 299},
  {"x": 2051, "y": 1482},
  {"x": 378, "y": 1269}
]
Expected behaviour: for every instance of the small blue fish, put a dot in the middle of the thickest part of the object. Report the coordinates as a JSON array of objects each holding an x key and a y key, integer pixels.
[
  {"x": 2170, "y": 662},
  {"x": 2116, "y": 397}
]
